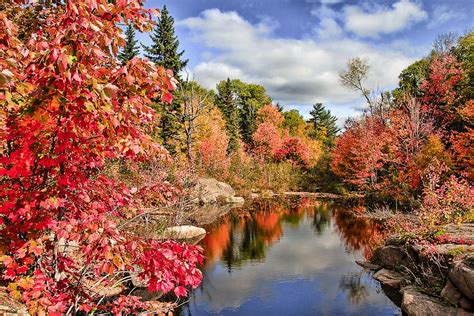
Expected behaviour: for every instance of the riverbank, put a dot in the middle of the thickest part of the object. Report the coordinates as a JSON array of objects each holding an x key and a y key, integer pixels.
[{"x": 428, "y": 276}]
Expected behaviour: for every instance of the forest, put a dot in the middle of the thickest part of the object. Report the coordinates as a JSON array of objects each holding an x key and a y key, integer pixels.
[{"x": 98, "y": 131}]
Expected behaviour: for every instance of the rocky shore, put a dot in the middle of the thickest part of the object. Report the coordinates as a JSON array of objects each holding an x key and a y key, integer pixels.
[{"x": 429, "y": 277}]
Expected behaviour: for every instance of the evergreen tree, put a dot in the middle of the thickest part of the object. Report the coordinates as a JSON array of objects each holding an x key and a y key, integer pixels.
[
  {"x": 249, "y": 99},
  {"x": 131, "y": 48},
  {"x": 248, "y": 122},
  {"x": 226, "y": 101},
  {"x": 324, "y": 124},
  {"x": 164, "y": 50}
]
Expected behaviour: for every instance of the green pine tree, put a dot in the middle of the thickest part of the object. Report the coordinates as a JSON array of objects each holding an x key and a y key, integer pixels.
[
  {"x": 248, "y": 122},
  {"x": 226, "y": 101},
  {"x": 164, "y": 50},
  {"x": 249, "y": 98},
  {"x": 324, "y": 124},
  {"x": 131, "y": 48}
]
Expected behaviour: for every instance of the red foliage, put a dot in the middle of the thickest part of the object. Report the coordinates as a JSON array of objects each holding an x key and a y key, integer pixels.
[
  {"x": 463, "y": 142},
  {"x": 361, "y": 151},
  {"x": 67, "y": 107},
  {"x": 170, "y": 266},
  {"x": 267, "y": 139},
  {"x": 448, "y": 239},
  {"x": 446, "y": 202},
  {"x": 441, "y": 90},
  {"x": 293, "y": 150}
]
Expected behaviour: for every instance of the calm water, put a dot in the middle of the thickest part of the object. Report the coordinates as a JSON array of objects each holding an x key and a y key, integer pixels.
[{"x": 289, "y": 258}]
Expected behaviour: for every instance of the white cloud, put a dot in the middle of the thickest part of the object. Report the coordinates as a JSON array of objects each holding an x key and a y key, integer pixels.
[
  {"x": 329, "y": 29},
  {"x": 383, "y": 20},
  {"x": 443, "y": 14},
  {"x": 294, "y": 71}
]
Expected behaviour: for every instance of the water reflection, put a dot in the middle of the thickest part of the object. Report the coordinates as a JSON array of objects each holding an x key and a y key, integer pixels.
[
  {"x": 353, "y": 285},
  {"x": 289, "y": 257}
]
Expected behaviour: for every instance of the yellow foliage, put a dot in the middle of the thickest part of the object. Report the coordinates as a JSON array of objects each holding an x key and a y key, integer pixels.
[
  {"x": 211, "y": 141},
  {"x": 315, "y": 150},
  {"x": 432, "y": 152}
]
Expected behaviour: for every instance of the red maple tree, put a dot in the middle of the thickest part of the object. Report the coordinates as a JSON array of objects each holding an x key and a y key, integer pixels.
[{"x": 68, "y": 107}]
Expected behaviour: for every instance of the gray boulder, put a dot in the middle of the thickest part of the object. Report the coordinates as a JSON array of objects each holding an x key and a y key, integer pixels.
[
  {"x": 461, "y": 231},
  {"x": 368, "y": 265},
  {"x": 209, "y": 190},
  {"x": 390, "y": 257},
  {"x": 461, "y": 275},
  {"x": 450, "y": 293},
  {"x": 184, "y": 232},
  {"x": 417, "y": 303},
  {"x": 389, "y": 278}
]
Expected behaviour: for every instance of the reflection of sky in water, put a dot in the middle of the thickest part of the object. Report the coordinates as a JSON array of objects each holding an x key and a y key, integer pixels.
[{"x": 302, "y": 273}]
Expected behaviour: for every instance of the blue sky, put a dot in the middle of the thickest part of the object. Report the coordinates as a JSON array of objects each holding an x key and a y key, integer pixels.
[{"x": 295, "y": 48}]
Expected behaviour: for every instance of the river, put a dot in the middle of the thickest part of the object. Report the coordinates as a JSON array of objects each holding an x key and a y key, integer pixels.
[{"x": 291, "y": 257}]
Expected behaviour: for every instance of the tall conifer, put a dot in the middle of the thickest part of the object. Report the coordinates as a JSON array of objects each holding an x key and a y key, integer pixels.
[
  {"x": 324, "y": 124},
  {"x": 226, "y": 101},
  {"x": 165, "y": 46},
  {"x": 131, "y": 48},
  {"x": 164, "y": 52}
]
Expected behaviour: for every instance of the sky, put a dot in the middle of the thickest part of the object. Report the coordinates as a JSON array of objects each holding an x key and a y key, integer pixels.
[{"x": 296, "y": 48}]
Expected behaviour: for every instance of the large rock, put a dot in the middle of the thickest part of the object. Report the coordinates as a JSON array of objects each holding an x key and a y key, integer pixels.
[
  {"x": 390, "y": 257},
  {"x": 368, "y": 265},
  {"x": 211, "y": 191},
  {"x": 389, "y": 278},
  {"x": 184, "y": 232},
  {"x": 461, "y": 275},
  {"x": 417, "y": 303},
  {"x": 450, "y": 293}
]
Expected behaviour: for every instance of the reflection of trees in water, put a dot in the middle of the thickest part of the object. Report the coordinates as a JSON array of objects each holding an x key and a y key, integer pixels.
[
  {"x": 321, "y": 218},
  {"x": 245, "y": 244},
  {"x": 237, "y": 239},
  {"x": 358, "y": 233},
  {"x": 357, "y": 291}
]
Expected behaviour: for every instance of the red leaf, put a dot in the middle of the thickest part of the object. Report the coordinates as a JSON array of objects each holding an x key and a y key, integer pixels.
[{"x": 167, "y": 97}]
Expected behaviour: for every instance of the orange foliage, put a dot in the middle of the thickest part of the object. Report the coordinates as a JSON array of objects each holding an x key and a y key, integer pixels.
[
  {"x": 360, "y": 152},
  {"x": 270, "y": 114},
  {"x": 211, "y": 142},
  {"x": 463, "y": 142}
]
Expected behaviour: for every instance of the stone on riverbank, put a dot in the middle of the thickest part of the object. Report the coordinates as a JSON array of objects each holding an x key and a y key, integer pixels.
[
  {"x": 461, "y": 275},
  {"x": 368, "y": 265},
  {"x": 209, "y": 190},
  {"x": 449, "y": 262},
  {"x": 184, "y": 232},
  {"x": 450, "y": 293},
  {"x": 461, "y": 231},
  {"x": 389, "y": 278},
  {"x": 417, "y": 303},
  {"x": 390, "y": 257}
]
